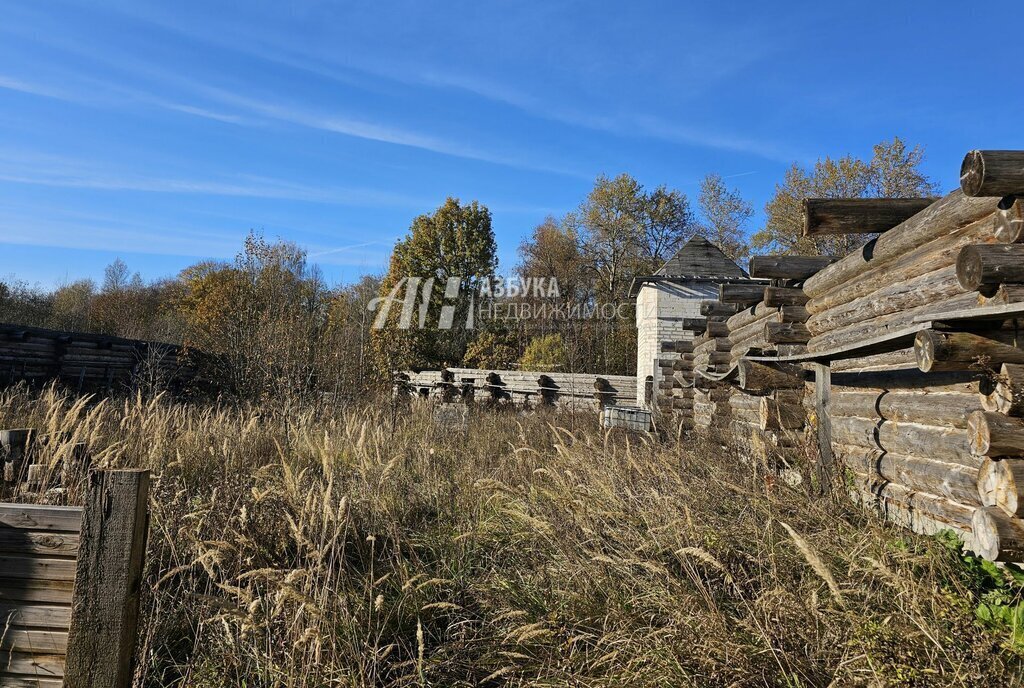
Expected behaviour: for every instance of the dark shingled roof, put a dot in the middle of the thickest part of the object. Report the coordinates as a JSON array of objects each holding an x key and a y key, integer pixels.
[{"x": 700, "y": 258}]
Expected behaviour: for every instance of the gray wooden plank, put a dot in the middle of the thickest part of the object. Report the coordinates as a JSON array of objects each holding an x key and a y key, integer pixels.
[
  {"x": 20, "y": 590},
  {"x": 41, "y": 517},
  {"x": 34, "y": 640},
  {"x": 18, "y": 541},
  {"x": 24, "y": 665},
  {"x": 13, "y": 681},
  {"x": 27, "y": 615},
  {"x": 37, "y": 568}
]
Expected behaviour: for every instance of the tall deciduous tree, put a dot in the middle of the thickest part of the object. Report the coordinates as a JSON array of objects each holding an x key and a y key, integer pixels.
[
  {"x": 552, "y": 251},
  {"x": 455, "y": 241},
  {"x": 624, "y": 230},
  {"x": 893, "y": 172},
  {"x": 619, "y": 231},
  {"x": 261, "y": 316},
  {"x": 668, "y": 223},
  {"x": 725, "y": 213}
]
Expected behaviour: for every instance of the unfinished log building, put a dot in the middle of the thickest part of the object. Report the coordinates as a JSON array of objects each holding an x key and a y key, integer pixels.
[{"x": 667, "y": 304}]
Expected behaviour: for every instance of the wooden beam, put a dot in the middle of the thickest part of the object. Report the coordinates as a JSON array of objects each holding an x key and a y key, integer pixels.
[
  {"x": 104, "y": 615},
  {"x": 784, "y": 296},
  {"x": 760, "y": 377},
  {"x": 786, "y": 333},
  {"x": 741, "y": 293},
  {"x": 993, "y": 173},
  {"x": 936, "y": 221},
  {"x": 788, "y": 267},
  {"x": 828, "y": 216},
  {"x": 716, "y": 308},
  {"x": 937, "y": 351}
]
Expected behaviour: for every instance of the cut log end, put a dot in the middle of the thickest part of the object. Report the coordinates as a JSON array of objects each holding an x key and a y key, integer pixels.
[
  {"x": 969, "y": 269},
  {"x": 997, "y": 536},
  {"x": 996, "y": 396},
  {"x": 1005, "y": 393},
  {"x": 925, "y": 346},
  {"x": 972, "y": 173},
  {"x": 999, "y": 484},
  {"x": 978, "y": 433},
  {"x": 1009, "y": 221},
  {"x": 992, "y": 173}
]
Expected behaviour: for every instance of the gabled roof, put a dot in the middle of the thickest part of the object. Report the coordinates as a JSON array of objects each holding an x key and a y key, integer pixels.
[{"x": 700, "y": 258}]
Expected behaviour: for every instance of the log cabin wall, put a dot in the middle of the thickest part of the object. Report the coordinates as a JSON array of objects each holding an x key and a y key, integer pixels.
[
  {"x": 88, "y": 362},
  {"x": 917, "y": 345}
]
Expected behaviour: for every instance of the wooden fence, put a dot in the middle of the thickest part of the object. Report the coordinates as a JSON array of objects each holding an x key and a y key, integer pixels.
[
  {"x": 69, "y": 585},
  {"x": 901, "y": 363}
]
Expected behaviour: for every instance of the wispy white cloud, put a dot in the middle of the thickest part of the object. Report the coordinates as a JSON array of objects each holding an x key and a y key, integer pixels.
[
  {"x": 630, "y": 124},
  {"x": 362, "y": 129},
  {"x": 9, "y": 83},
  {"x": 96, "y": 93},
  {"x": 257, "y": 111},
  {"x": 58, "y": 171},
  {"x": 353, "y": 252},
  {"x": 57, "y": 226},
  {"x": 709, "y": 63}
]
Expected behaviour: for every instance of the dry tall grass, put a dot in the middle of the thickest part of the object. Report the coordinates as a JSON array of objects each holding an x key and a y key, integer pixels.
[{"x": 364, "y": 549}]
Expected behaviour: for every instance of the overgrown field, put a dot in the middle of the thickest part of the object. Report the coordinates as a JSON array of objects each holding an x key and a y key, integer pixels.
[{"x": 367, "y": 548}]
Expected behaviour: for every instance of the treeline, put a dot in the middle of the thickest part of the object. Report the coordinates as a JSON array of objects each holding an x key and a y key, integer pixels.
[
  {"x": 276, "y": 330},
  {"x": 272, "y": 328}
]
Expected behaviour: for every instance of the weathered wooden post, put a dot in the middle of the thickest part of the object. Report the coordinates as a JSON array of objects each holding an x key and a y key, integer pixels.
[
  {"x": 104, "y": 615},
  {"x": 823, "y": 419},
  {"x": 14, "y": 448}
]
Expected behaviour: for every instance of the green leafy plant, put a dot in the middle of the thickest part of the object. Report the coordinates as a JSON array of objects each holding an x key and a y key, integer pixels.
[{"x": 999, "y": 591}]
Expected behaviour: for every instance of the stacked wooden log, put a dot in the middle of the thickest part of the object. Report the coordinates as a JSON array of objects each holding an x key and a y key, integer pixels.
[
  {"x": 89, "y": 362},
  {"x": 665, "y": 368},
  {"x": 903, "y": 434},
  {"x": 907, "y": 273},
  {"x": 711, "y": 357},
  {"x": 768, "y": 408},
  {"x": 711, "y": 408},
  {"x": 931, "y": 437},
  {"x": 711, "y": 349},
  {"x": 681, "y": 394}
]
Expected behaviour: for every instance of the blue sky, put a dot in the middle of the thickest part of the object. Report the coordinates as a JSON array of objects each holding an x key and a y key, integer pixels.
[{"x": 163, "y": 132}]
